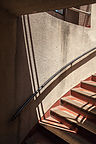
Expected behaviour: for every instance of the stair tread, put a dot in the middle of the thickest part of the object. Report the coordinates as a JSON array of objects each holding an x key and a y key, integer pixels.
[
  {"x": 69, "y": 114},
  {"x": 52, "y": 119},
  {"x": 85, "y": 92},
  {"x": 92, "y": 83},
  {"x": 54, "y": 122},
  {"x": 79, "y": 103},
  {"x": 74, "y": 118},
  {"x": 94, "y": 74},
  {"x": 69, "y": 136}
]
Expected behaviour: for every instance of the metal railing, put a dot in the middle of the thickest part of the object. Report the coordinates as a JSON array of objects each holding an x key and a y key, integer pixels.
[
  {"x": 80, "y": 11},
  {"x": 45, "y": 83}
]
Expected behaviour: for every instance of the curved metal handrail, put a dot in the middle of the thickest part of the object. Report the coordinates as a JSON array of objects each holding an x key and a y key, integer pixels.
[{"x": 45, "y": 83}]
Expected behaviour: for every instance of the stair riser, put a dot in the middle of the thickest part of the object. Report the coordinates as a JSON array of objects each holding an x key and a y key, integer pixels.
[
  {"x": 62, "y": 120},
  {"x": 83, "y": 97},
  {"x": 94, "y": 78},
  {"x": 88, "y": 87},
  {"x": 77, "y": 110}
]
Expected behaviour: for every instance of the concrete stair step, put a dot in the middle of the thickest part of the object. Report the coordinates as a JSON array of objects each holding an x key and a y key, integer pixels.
[
  {"x": 42, "y": 136},
  {"x": 84, "y": 94},
  {"x": 73, "y": 119},
  {"x": 89, "y": 85},
  {"x": 81, "y": 107},
  {"x": 94, "y": 77},
  {"x": 55, "y": 123},
  {"x": 66, "y": 135}
]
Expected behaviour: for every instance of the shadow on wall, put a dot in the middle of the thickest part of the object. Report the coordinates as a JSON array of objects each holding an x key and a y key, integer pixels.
[
  {"x": 31, "y": 58},
  {"x": 23, "y": 83},
  {"x": 27, "y": 81}
]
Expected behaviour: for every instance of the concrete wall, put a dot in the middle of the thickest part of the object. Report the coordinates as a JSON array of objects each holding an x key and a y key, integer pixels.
[
  {"x": 29, "y": 57},
  {"x": 29, "y": 6},
  {"x": 8, "y": 131},
  {"x": 54, "y": 44}
]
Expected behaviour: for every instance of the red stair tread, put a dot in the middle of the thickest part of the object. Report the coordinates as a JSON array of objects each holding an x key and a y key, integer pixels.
[
  {"x": 92, "y": 83},
  {"x": 76, "y": 115},
  {"x": 50, "y": 120},
  {"x": 74, "y": 101},
  {"x": 94, "y": 74},
  {"x": 89, "y": 85},
  {"x": 79, "y": 103},
  {"x": 74, "y": 118},
  {"x": 85, "y": 92},
  {"x": 94, "y": 77},
  {"x": 68, "y": 113}
]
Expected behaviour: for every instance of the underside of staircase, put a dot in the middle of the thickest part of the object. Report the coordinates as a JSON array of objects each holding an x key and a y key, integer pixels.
[{"x": 73, "y": 117}]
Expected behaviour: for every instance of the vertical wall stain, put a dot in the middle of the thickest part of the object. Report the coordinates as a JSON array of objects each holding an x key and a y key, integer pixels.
[{"x": 65, "y": 32}]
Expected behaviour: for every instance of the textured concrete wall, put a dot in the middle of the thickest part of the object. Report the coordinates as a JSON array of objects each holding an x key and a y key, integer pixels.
[
  {"x": 54, "y": 44},
  {"x": 26, "y": 64}
]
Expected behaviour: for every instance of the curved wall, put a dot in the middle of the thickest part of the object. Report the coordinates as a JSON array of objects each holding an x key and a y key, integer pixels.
[{"x": 55, "y": 43}]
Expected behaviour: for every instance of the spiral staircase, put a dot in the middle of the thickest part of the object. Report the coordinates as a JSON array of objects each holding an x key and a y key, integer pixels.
[{"x": 73, "y": 117}]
